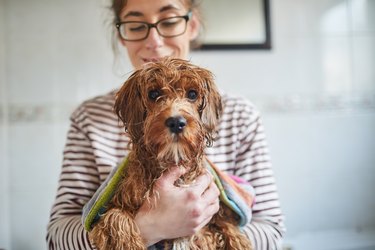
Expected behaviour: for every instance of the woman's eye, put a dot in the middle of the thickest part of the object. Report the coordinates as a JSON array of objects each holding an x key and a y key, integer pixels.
[
  {"x": 192, "y": 95},
  {"x": 134, "y": 27},
  {"x": 169, "y": 23},
  {"x": 153, "y": 94}
]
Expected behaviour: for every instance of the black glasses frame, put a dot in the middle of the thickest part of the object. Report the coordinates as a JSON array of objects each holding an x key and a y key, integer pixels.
[{"x": 187, "y": 17}]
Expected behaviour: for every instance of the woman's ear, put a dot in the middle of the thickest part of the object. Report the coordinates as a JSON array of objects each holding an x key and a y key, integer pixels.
[
  {"x": 122, "y": 41},
  {"x": 194, "y": 26}
]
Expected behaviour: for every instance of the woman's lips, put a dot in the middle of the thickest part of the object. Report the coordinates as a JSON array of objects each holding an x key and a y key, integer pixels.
[{"x": 151, "y": 59}]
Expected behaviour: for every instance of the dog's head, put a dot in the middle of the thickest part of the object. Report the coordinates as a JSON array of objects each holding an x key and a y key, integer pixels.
[{"x": 172, "y": 107}]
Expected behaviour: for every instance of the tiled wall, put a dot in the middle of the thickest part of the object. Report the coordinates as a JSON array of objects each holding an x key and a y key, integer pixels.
[
  {"x": 316, "y": 89},
  {"x": 4, "y": 193}
]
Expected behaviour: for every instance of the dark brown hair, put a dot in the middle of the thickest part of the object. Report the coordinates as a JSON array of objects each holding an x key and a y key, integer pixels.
[{"x": 118, "y": 5}]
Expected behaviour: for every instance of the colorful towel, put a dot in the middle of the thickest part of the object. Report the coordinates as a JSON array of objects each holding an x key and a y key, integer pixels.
[{"x": 236, "y": 193}]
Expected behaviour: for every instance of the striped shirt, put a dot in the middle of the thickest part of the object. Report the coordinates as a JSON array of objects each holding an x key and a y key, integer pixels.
[{"x": 96, "y": 143}]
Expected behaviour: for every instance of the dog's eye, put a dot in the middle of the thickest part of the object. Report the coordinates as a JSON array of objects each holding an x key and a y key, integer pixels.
[
  {"x": 153, "y": 94},
  {"x": 192, "y": 95}
]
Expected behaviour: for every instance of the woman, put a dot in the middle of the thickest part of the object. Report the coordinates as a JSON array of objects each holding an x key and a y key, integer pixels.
[{"x": 150, "y": 30}]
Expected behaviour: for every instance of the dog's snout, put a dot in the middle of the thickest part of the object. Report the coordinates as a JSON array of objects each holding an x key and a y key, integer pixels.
[{"x": 176, "y": 124}]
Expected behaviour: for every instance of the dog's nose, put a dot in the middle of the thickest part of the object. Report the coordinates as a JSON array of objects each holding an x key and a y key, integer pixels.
[{"x": 176, "y": 124}]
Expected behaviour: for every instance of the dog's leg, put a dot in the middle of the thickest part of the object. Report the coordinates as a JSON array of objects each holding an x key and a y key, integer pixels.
[
  {"x": 116, "y": 230},
  {"x": 207, "y": 238},
  {"x": 232, "y": 236}
]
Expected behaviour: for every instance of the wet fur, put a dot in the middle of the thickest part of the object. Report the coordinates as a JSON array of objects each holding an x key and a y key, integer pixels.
[{"x": 155, "y": 148}]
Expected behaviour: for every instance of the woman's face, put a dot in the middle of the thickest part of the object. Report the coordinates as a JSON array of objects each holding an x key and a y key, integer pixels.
[{"x": 155, "y": 46}]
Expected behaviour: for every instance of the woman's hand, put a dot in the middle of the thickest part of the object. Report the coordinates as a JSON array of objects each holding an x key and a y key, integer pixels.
[{"x": 177, "y": 211}]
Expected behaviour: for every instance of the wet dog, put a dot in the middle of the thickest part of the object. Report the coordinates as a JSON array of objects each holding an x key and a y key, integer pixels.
[{"x": 170, "y": 110}]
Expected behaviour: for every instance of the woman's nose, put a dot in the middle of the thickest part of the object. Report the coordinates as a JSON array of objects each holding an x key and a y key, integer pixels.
[{"x": 153, "y": 40}]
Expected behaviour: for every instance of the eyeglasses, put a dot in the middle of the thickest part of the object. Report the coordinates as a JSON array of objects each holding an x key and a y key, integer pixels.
[{"x": 167, "y": 27}]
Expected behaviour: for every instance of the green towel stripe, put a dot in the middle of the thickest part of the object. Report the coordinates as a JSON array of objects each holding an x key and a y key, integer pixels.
[
  {"x": 223, "y": 196},
  {"x": 106, "y": 195}
]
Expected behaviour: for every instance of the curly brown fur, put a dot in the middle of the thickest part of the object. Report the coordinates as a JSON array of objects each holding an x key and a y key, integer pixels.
[{"x": 169, "y": 88}]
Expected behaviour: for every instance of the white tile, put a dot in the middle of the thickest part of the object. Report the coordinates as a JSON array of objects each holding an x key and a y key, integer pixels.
[
  {"x": 249, "y": 76},
  {"x": 336, "y": 65},
  {"x": 30, "y": 213},
  {"x": 362, "y": 16},
  {"x": 30, "y": 75},
  {"x": 334, "y": 238},
  {"x": 310, "y": 18},
  {"x": 85, "y": 70},
  {"x": 61, "y": 52},
  {"x": 4, "y": 187},
  {"x": 364, "y": 63},
  {"x": 31, "y": 50},
  {"x": 4, "y": 190},
  {"x": 295, "y": 65},
  {"x": 330, "y": 159},
  {"x": 35, "y": 155}
]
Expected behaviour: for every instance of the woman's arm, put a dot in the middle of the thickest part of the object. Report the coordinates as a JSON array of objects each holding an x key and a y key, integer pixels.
[
  {"x": 79, "y": 179},
  {"x": 253, "y": 164}
]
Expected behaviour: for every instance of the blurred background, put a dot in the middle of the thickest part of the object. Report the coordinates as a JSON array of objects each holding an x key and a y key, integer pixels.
[{"x": 315, "y": 88}]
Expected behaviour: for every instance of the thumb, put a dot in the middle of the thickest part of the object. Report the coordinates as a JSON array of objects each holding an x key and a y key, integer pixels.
[{"x": 171, "y": 176}]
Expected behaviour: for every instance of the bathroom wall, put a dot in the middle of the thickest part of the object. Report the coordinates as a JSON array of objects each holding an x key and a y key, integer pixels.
[
  {"x": 4, "y": 192},
  {"x": 315, "y": 88}
]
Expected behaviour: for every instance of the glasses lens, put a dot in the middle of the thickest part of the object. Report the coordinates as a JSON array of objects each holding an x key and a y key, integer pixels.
[
  {"x": 173, "y": 26},
  {"x": 133, "y": 30}
]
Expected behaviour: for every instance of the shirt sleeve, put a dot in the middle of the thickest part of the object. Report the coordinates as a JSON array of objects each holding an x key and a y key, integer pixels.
[
  {"x": 253, "y": 164},
  {"x": 79, "y": 178}
]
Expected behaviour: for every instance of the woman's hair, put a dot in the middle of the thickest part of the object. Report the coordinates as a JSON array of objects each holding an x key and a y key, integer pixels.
[{"x": 118, "y": 5}]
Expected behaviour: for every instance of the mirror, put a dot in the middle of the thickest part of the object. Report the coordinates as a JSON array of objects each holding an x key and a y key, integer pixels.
[{"x": 238, "y": 24}]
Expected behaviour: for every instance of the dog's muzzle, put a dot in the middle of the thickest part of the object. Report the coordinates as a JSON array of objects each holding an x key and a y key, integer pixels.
[{"x": 176, "y": 124}]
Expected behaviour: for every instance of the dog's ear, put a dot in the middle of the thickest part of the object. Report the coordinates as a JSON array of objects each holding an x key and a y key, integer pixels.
[
  {"x": 129, "y": 107},
  {"x": 212, "y": 108}
]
